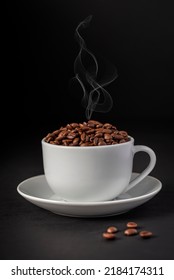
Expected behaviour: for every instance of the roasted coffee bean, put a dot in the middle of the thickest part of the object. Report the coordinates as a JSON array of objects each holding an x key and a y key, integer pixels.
[
  {"x": 86, "y": 144},
  {"x": 48, "y": 139},
  {"x": 52, "y": 135},
  {"x": 145, "y": 234},
  {"x": 122, "y": 141},
  {"x": 114, "y": 128},
  {"x": 100, "y": 129},
  {"x": 106, "y": 130},
  {"x": 107, "y": 125},
  {"x": 132, "y": 225},
  {"x": 67, "y": 143},
  {"x": 95, "y": 141},
  {"x": 57, "y": 142},
  {"x": 112, "y": 229},
  {"x": 69, "y": 127},
  {"x": 94, "y": 122},
  {"x": 87, "y": 139},
  {"x": 99, "y": 134},
  {"x": 72, "y": 144},
  {"x": 62, "y": 135},
  {"x": 91, "y": 133},
  {"x": 101, "y": 142},
  {"x": 99, "y": 125},
  {"x": 107, "y": 136},
  {"x": 52, "y": 142},
  {"x": 56, "y": 132},
  {"x": 83, "y": 136},
  {"x": 108, "y": 235},
  {"x": 91, "y": 125},
  {"x": 123, "y": 133},
  {"x": 84, "y": 127},
  {"x": 130, "y": 231},
  {"x": 71, "y": 135},
  {"x": 118, "y": 136},
  {"x": 91, "y": 139},
  {"x": 74, "y": 125},
  {"x": 76, "y": 141}
]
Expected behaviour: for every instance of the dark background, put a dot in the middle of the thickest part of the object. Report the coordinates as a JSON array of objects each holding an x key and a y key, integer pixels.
[
  {"x": 37, "y": 97},
  {"x": 135, "y": 36}
]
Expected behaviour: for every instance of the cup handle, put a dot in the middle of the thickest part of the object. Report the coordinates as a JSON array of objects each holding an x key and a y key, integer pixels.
[{"x": 148, "y": 169}]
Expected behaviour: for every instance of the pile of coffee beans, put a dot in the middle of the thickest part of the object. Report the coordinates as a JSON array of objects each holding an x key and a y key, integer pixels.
[
  {"x": 131, "y": 229},
  {"x": 90, "y": 133}
]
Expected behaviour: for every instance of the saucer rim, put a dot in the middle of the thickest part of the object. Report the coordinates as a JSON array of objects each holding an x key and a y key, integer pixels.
[{"x": 89, "y": 203}]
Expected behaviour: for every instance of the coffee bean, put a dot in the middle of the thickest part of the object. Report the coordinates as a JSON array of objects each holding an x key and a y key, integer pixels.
[
  {"x": 52, "y": 142},
  {"x": 145, "y": 234},
  {"x": 106, "y": 130},
  {"x": 91, "y": 133},
  {"x": 101, "y": 142},
  {"x": 107, "y": 125},
  {"x": 86, "y": 144},
  {"x": 57, "y": 142},
  {"x": 71, "y": 135},
  {"x": 74, "y": 125},
  {"x": 122, "y": 141},
  {"x": 99, "y": 125},
  {"x": 123, "y": 133},
  {"x": 69, "y": 127},
  {"x": 76, "y": 141},
  {"x": 52, "y": 135},
  {"x": 91, "y": 125},
  {"x": 118, "y": 136},
  {"x": 112, "y": 229},
  {"x": 130, "y": 231},
  {"x": 62, "y": 135},
  {"x": 84, "y": 127},
  {"x": 95, "y": 141},
  {"x": 108, "y": 235},
  {"x": 107, "y": 136},
  {"x": 94, "y": 122},
  {"x": 99, "y": 134},
  {"x": 132, "y": 225},
  {"x": 83, "y": 136},
  {"x": 48, "y": 139},
  {"x": 56, "y": 132},
  {"x": 114, "y": 142},
  {"x": 66, "y": 142}
]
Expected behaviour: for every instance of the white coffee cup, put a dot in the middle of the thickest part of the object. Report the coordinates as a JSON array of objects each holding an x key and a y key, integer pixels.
[{"x": 97, "y": 173}]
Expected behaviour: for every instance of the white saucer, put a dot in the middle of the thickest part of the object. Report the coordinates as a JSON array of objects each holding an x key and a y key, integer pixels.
[{"x": 37, "y": 191}]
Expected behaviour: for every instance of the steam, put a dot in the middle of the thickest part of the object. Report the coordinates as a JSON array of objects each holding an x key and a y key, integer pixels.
[{"x": 95, "y": 97}]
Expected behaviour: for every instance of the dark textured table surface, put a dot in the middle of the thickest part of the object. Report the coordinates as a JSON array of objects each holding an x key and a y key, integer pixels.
[{"x": 30, "y": 232}]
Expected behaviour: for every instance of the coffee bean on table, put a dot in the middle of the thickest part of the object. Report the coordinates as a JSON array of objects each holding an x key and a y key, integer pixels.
[
  {"x": 145, "y": 234},
  {"x": 130, "y": 231},
  {"x": 112, "y": 229},
  {"x": 90, "y": 133},
  {"x": 108, "y": 235},
  {"x": 132, "y": 225}
]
